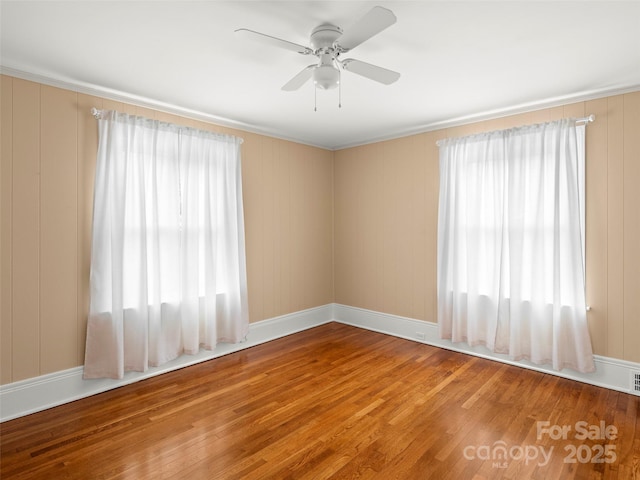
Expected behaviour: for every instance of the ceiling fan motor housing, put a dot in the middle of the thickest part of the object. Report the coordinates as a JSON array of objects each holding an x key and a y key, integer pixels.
[{"x": 323, "y": 36}]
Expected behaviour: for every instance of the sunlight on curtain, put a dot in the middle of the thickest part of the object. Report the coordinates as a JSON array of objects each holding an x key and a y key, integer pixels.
[
  {"x": 168, "y": 272},
  {"x": 511, "y": 244}
]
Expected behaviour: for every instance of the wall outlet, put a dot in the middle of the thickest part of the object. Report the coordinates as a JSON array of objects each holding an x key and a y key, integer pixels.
[{"x": 420, "y": 335}]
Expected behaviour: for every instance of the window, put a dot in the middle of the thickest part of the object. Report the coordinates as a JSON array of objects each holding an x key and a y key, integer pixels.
[
  {"x": 167, "y": 268},
  {"x": 511, "y": 243}
]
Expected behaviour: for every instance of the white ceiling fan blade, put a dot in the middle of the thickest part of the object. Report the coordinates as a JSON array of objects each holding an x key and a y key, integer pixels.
[
  {"x": 372, "y": 72},
  {"x": 300, "y": 79},
  {"x": 371, "y": 24},
  {"x": 278, "y": 42}
]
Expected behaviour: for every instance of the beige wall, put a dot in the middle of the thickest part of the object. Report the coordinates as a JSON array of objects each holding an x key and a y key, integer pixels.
[
  {"x": 49, "y": 143},
  {"x": 386, "y": 210},
  {"x": 382, "y": 233}
]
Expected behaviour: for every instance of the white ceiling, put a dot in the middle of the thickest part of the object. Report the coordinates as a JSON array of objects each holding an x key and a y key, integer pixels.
[{"x": 457, "y": 59}]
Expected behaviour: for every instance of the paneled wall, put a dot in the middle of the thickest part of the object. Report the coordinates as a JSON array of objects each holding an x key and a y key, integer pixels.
[
  {"x": 49, "y": 144},
  {"x": 386, "y": 213},
  {"x": 360, "y": 221}
]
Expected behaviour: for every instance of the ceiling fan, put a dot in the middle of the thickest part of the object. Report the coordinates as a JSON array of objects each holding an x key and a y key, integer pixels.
[{"x": 328, "y": 43}]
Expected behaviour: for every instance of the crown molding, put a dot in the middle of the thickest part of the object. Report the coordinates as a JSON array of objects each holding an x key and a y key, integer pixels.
[
  {"x": 116, "y": 95},
  {"x": 140, "y": 101},
  {"x": 499, "y": 113}
]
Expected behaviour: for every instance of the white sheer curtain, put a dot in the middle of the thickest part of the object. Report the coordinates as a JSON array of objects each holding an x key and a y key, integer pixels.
[
  {"x": 511, "y": 244},
  {"x": 168, "y": 268}
]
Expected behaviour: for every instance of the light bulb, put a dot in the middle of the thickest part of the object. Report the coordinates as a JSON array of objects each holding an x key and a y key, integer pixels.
[{"x": 326, "y": 77}]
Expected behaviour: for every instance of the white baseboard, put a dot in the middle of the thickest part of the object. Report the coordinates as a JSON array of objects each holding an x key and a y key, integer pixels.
[
  {"x": 40, "y": 393},
  {"x": 610, "y": 372}
]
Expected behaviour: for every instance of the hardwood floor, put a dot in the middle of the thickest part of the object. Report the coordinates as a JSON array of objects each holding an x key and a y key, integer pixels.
[{"x": 334, "y": 402}]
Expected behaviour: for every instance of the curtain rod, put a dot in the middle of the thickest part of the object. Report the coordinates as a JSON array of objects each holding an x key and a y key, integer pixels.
[
  {"x": 97, "y": 114},
  {"x": 589, "y": 119}
]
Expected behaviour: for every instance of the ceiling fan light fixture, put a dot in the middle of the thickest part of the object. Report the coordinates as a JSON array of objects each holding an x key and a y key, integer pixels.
[{"x": 326, "y": 77}]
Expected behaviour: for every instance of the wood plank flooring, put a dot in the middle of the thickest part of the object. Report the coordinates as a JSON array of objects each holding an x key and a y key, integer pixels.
[{"x": 334, "y": 402}]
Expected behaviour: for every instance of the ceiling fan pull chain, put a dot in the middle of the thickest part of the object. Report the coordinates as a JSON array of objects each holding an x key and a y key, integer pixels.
[
  {"x": 315, "y": 99},
  {"x": 339, "y": 89}
]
